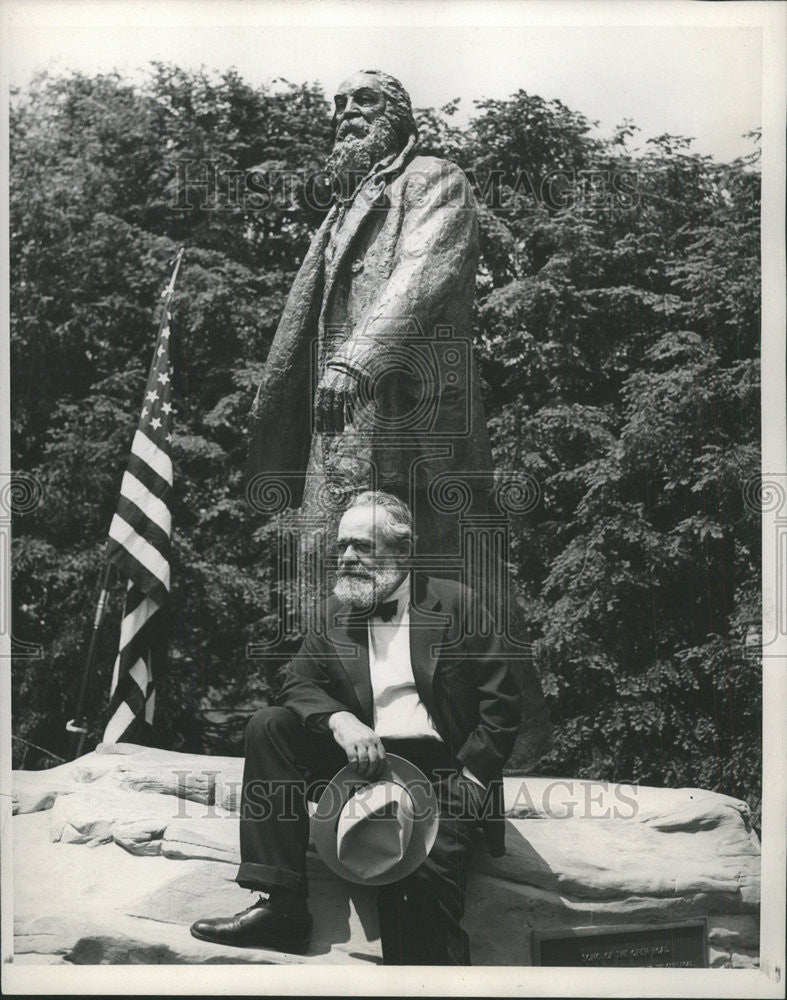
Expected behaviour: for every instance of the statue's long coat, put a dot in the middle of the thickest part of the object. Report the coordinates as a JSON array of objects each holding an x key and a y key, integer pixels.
[{"x": 386, "y": 292}]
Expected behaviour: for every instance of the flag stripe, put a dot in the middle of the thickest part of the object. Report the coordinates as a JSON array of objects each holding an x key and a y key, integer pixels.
[
  {"x": 134, "y": 597},
  {"x": 126, "y": 715},
  {"x": 144, "y": 526},
  {"x": 131, "y": 568},
  {"x": 139, "y": 644},
  {"x": 133, "y": 619},
  {"x": 119, "y": 723},
  {"x": 150, "y": 706},
  {"x": 127, "y": 693},
  {"x": 137, "y": 630},
  {"x": 138, "y": 547},
  {"x": 159, "y": 487},
  {"x": 138, "y": 493},
  {"x": 152, "y": 455},
  {"x": 139, "y": 674}
]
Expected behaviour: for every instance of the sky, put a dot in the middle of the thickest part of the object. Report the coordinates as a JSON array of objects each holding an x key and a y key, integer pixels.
[{"x": 668, "y": 72}]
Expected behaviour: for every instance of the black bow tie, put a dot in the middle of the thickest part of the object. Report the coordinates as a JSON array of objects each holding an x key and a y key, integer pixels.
[{"x": 385, "y": 610}]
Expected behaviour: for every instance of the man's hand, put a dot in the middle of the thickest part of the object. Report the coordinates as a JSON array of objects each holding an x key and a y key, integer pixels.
[
  {"x": 364, "y": 749},
  {"x": 335, "y": 401}
]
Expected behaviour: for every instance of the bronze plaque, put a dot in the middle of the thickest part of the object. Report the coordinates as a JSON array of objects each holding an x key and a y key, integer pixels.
[{"x": 666, "y": 946}]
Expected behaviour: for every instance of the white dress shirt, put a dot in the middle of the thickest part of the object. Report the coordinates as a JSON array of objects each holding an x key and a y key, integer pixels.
[{"x": 399, "y": 712}]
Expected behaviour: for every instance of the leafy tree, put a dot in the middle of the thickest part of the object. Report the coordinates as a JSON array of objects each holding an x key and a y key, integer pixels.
[{"x": 624, "y": 377}]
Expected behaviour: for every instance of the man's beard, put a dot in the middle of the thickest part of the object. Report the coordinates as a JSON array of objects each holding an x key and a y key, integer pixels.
[
  {"x": 361, "y": 590},
  {"x": 357, "y": 149}
]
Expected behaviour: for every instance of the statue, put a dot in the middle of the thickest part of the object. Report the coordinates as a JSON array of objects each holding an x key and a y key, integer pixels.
[{"x": 370, "y": 381}]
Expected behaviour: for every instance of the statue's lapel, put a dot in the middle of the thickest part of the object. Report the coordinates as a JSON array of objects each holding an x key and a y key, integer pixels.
[
  {"x": 370, "y": 197},
  {"x": 315, "y": 255}
]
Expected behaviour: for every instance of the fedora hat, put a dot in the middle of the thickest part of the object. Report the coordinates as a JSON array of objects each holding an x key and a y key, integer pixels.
[{"x": 376, "y": 832}]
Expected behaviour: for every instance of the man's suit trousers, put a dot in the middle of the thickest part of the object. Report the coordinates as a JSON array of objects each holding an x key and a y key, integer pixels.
[{"x": 420, "y": 916}]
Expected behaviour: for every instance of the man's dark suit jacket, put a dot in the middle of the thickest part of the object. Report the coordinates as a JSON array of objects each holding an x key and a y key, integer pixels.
[{"x": 470, "y": 689}]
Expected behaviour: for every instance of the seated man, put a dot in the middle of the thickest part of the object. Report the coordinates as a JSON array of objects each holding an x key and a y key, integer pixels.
[{"x": 398, "y": 664}]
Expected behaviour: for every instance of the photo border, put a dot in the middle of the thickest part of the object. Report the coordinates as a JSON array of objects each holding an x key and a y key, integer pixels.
[{"x": 501, "y": 981}]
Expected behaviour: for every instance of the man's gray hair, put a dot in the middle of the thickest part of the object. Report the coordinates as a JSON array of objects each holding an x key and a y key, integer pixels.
[{"x": 397, "y": 528}]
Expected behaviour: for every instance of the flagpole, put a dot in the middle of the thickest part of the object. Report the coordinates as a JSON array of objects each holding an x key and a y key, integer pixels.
[
  {"x": 78, "y": 725},
  {"x": 171, "y": 286}
]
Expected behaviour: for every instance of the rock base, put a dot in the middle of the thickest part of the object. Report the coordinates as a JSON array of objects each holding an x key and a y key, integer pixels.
[{"x": 116, "y": 854}]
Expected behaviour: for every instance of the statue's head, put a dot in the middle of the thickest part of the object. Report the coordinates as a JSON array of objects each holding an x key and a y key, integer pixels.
[{"x": 373, "y": 119}]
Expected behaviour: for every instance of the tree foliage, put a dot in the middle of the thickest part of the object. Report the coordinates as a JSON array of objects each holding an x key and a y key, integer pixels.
[{"x": 618, "y": 334}]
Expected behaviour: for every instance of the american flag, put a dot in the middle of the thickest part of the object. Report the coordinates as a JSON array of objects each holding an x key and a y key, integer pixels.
[{"x": 139, "y": 545}]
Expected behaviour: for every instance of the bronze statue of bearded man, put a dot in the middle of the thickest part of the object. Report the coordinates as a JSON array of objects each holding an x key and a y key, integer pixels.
[{"x": 370, "y": 382}]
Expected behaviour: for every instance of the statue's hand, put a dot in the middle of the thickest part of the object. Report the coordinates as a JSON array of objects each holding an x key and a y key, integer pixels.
[{"x": 335, "y": 401}]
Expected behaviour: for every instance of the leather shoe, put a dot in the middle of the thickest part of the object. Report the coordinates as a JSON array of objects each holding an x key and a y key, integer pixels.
[{"x": 262, "y": 925}]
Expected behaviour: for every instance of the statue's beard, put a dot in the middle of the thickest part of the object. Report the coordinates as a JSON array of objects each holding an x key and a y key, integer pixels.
[
  {"x": 358, "y": 147},
  {"x": 362, "y": 589}
]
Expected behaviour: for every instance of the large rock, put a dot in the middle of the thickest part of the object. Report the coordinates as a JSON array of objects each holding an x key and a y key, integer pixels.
[
  {"x": 165, "y": 843},
  {"x": 106, "y": 906},
  {"x": 89, "y": 817},
  {"x": 214, "y": 839},
  {"x": 191, "y": 777}
]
